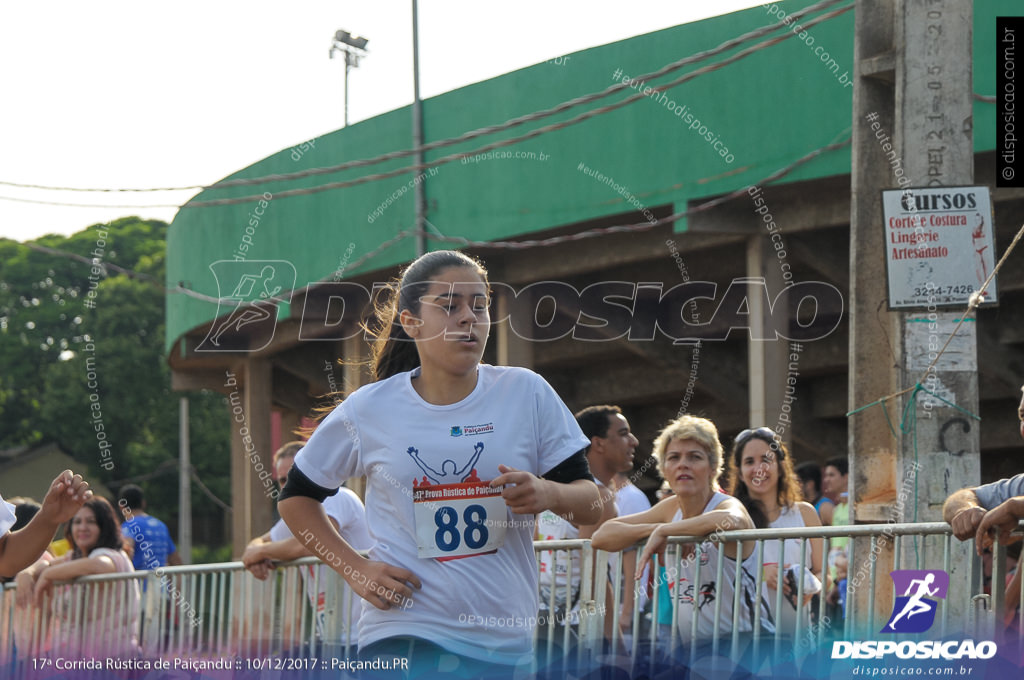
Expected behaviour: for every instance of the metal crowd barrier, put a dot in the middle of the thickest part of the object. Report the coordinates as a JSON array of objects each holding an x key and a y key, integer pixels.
[
  {"x": 200, "y": 612},
  {"x": 220, "y": 610},
  {"x": 966, "y": 609}
]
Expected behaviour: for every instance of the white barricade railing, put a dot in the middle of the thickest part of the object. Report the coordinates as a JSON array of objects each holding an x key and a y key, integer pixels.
[
  {"x": 187, "y": 612},
  {"x": 914, "y": 546},
  {"x": 306, "y": 609}
]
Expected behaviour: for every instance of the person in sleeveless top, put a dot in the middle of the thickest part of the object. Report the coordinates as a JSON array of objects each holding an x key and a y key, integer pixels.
[
  {"x": 690, "y": 456},
  {"x": 761, "y": 476}
]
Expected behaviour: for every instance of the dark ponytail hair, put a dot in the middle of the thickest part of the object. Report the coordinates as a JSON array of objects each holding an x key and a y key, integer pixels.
[{"x": 393, "y": 350}]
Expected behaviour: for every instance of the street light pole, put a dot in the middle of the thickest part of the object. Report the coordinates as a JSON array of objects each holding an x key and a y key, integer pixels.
[
  {"x": 417, "y": 135},
  {"x": 347, "y": 67},
  {"x": 354, "y": 48}
]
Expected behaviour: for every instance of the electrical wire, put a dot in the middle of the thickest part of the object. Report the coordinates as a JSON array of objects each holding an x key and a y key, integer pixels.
[
  {"x": 511, "y": 245},
  {"x": 488, "y": 130},
  {"x": 63, "y": 204},
  {"x": 641, "y": 226},
  {"x": 419, "y": 167}
]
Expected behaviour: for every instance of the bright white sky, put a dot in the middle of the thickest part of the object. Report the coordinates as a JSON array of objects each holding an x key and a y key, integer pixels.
[{"x": 141, "y": 94}]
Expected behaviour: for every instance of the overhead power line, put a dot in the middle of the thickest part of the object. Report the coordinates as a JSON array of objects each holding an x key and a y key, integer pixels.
[
  {"x": 86, "y": 205},
  {"x": 515, "y": 122},
  {"x": 529, "y": 135},
  {"x": 641, "y": 226},
  {"x": 511, "y": 245}
]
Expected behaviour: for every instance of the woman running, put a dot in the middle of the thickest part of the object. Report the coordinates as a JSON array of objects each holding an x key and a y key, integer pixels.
[{"x": 459, "y": 456}]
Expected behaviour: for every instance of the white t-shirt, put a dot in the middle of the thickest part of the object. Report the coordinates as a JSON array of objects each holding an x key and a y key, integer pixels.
[
  {"x": 109, "y": 630},
  {"x": 7, "y": 516},
  {"x": 631, "y": 500},
  {"x": 347, "y": 510},
  {"x": 557, "y": 565},
  {"x": 789, "y": 517},
  {"x": 483, "y": 603}
]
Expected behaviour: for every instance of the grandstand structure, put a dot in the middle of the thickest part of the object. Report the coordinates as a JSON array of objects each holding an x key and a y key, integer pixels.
[{"x": 661, "y": 191}]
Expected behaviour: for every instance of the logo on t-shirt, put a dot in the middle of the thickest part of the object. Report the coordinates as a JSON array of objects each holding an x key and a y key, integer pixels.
[
  {"x": 450, "y": 472},
  {"x": 485, "y": 428}
]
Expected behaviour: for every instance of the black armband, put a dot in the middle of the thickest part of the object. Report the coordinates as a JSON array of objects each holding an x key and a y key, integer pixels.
[
  {"x": 299, "y": 484},
  {"x": 569, "y": 470}
]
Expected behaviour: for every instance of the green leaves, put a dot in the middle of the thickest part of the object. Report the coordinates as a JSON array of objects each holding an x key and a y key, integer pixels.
[{"x": 82, "y": 357}]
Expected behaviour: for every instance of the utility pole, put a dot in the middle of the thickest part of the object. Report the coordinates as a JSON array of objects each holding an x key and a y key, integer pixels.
[
  {"x": 913, "y": 65},
  {"x": 184, "y": 484},
  {"x": 417, "y": 135}
]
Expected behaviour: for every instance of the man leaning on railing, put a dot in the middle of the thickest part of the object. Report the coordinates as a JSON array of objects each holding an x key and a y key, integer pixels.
[{"x": 977, "y": 512}]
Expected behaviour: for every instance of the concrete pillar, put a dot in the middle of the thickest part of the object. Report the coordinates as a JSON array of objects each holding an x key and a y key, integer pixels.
[
  {"x": 913, "y": 65},
  {"x": 251, "y": 454},
  {"x": 934, "y": 95},
  {"x": 767, "y": 359}
]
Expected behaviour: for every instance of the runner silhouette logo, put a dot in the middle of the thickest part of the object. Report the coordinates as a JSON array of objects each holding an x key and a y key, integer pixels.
[
  {"x": 248, "y": 293},
  {"x": 914, "y": 610}
]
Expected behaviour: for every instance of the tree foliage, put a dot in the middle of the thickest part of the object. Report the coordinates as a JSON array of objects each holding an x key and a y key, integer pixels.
[{"x": 82, "y": 351}]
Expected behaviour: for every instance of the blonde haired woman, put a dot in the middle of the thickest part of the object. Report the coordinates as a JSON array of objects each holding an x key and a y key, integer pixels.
[{"x": 690, "y": 457}]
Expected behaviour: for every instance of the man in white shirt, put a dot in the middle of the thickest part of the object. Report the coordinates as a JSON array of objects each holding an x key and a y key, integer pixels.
[
  {"x": 611, "y": 450},
  {"x": 346, "y": 512}
]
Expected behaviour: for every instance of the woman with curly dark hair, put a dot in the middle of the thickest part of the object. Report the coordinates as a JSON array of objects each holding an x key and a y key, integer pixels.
[{"x": 761, "y": 476}]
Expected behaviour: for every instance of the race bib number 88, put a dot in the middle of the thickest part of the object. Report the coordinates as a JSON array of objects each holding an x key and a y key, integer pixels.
[{"x": 458, "y": 520}]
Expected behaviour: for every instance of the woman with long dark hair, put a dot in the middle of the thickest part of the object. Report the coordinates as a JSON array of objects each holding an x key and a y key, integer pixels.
[
  {"x": 98, "y": 619},
  {"x": 761, "y": 476},
  {"x": 459, "y": 456}
]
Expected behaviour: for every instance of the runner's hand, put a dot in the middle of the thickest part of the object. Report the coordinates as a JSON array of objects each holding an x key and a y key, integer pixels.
[
  {"x": 381, "y": 584},
  {"x": 524, "y": 493}
]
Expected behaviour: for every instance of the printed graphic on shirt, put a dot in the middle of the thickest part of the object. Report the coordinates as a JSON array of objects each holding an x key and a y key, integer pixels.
[
  {"x": 457, "y": 514},
  {"x": 471, "y": 430},
  {"x": 706, "y": 595}
]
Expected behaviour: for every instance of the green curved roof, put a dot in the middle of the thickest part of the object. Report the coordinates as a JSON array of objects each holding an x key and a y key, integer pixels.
[{"x": 767, "y": 109}]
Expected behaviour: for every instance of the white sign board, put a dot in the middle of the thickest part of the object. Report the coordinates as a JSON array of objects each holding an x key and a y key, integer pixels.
[{"x": 939, "y": 246}]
